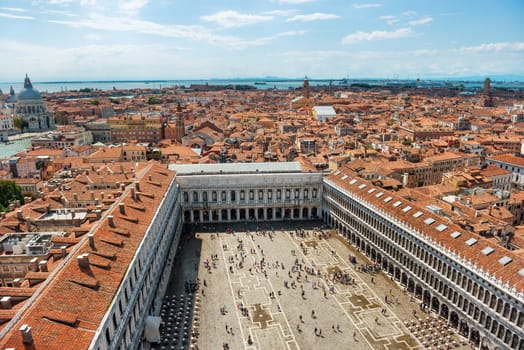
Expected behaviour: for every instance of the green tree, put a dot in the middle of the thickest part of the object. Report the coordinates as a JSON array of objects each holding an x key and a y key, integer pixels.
[
  {"x": 95, "y": 102},
  {"x": 154, "y": 101},
  {"x": 9, "y": 192},
  {"x": 19, "y": 123}
]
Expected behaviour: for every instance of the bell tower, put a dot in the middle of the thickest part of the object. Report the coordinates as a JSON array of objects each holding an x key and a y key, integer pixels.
[
  {"x": 179, "y": 126},
  {"x": 306, "y": 88}
]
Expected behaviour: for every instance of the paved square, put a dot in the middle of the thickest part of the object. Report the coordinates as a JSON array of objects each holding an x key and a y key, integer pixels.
[{"x": 274, "y": 289}]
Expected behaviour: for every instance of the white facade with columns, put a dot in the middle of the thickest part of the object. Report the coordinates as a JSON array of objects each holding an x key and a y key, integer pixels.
[{"x": 249, "y": 191}]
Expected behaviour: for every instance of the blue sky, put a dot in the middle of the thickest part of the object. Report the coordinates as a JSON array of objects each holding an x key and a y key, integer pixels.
[{"x": 180, "y": 39}]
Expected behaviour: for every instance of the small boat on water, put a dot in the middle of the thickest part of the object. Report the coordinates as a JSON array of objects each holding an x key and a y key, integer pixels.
[{"x": 260, "y": 83}]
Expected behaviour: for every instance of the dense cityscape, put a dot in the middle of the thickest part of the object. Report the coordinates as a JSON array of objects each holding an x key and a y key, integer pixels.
[
  {"x": 261, "y": 175},
  {"x": 114, "y": 183}
]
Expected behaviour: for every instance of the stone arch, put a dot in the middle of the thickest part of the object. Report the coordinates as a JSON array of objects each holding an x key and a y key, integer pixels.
[
  {"x": 435, "y": 304},
  {"x": 403, "y": 279},
  {"x": 426, "y": 298},
  {"x": 474, "y": 337},
  {"x": 464, "y": 328},
  {"x": 411, "y": 285},
  {"x": 444, "y": 311},
  {"x": 453, "y": 319},
  {"x": 486, "y": 344}
]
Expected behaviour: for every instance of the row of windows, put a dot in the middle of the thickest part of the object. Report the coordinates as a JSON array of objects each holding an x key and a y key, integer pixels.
[
  {"x": 443, "y": 267},
  {"x": 442, "y": 287},
  {"x": 153, "y": 252},
  {"x": 243, "y": 195}
]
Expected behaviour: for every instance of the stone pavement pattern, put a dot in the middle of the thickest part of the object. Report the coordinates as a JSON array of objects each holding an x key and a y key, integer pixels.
[{"x": 280, "y": 303}]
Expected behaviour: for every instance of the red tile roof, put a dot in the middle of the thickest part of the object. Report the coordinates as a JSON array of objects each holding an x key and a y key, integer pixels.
[
  {"x": 508, "y": 273},
  {"x": 74, "y": 302}
]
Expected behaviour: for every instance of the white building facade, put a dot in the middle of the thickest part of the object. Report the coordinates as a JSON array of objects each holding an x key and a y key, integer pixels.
[
  {"x": 248, "y": 192},
  {"x": 481, "y": 307}
]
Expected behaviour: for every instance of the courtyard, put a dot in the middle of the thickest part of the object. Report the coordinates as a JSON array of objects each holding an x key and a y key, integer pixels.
[{"x": 289, "y": 286}]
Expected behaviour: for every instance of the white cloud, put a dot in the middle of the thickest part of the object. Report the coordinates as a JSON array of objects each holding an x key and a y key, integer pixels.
[
  {"x": 233, "y": 19},
  {"x": 13, "y": 9},
  {"x": 133, "y": 5},
  {"x": 366, "y": 6},
  {"x": 59, "y": 2},
  {"x": 417, "y": 22},
  {"x": 88, "y": 2},
  {"x": 189, "y": 32},
  {"x": 377, "y": 35},
  {"x": 294, "y": 2},
  {"x": 59, "y": 12},
  {"x": 312, "y": 17},
  {"x": 10, "y": 15},
  {"x": 494, "y": 47},
  {"x": 282, "y": 13},
  {"x": 390, "y": 19},
  {"x": 268, "y": 39}
]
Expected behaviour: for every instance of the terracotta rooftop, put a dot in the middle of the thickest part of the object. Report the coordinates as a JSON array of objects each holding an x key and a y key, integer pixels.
[
  {"x": 502, "y": 263},
  {"x": 508, "y": 158},
  {"x": 73, "y": 303}
]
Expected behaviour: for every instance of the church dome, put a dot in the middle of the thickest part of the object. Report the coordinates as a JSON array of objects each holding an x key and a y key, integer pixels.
[{"x": 28, "y": 93}]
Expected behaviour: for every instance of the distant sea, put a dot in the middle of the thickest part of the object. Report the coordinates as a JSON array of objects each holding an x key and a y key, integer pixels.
[
  {"x": 58, "y": 86},
  {"x": 261, "y": 83}
]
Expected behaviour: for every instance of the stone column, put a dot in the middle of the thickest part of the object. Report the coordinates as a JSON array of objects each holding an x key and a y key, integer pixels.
[
  {"x": 265, "y": 214},
  {"x": 201, "y": 216},
  {"x": 228, "y": 215},
  {"x": 191, "y": 216}
]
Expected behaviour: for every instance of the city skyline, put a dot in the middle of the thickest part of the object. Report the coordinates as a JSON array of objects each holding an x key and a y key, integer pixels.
[{"x": 146, "y": 39}]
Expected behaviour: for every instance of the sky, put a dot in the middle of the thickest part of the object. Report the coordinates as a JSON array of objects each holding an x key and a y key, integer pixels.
[{"x": 65, "y": 40}]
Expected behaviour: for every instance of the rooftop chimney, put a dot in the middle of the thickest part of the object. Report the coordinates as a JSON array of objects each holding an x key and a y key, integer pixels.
[
  {"x": 133, "y": 192},
  {"x": 91, "y": 240},
  {"x": 63, "y": 250},
  {"x": 92, "y": 195},
  {"x": 102, "y": 194},
  {"x": 75, "y": 197},
  {"x": 137, "y": 185},
  {"x": 150, "y": 178},
  {"x": 33, "y": 265},
  {"x": 83, "y": 260},
  {"x": 43, "y": 266},
  {"x": 137, "y": 196},
  {"x": 5, "y": 302},
  {"x": 19, "y": 214},
  {"x": 27, "y": 336},
  {"x": 111, "y": 221},
  {"x": 17, "y": 282},
  {"x": 122, "y": 208}
]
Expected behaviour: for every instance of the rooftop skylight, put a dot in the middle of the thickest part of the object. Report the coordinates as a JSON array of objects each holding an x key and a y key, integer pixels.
[
  {"x": 471, "y": 241},
  {"x": 487, "y": 250},
  {"x": 441, "y": 227},
  {"x": 429, "y": 221},
  {"x": 505, "y": 260},
  {"x": 455, "y": 234},
  {"x": 406, "y": 209}
]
